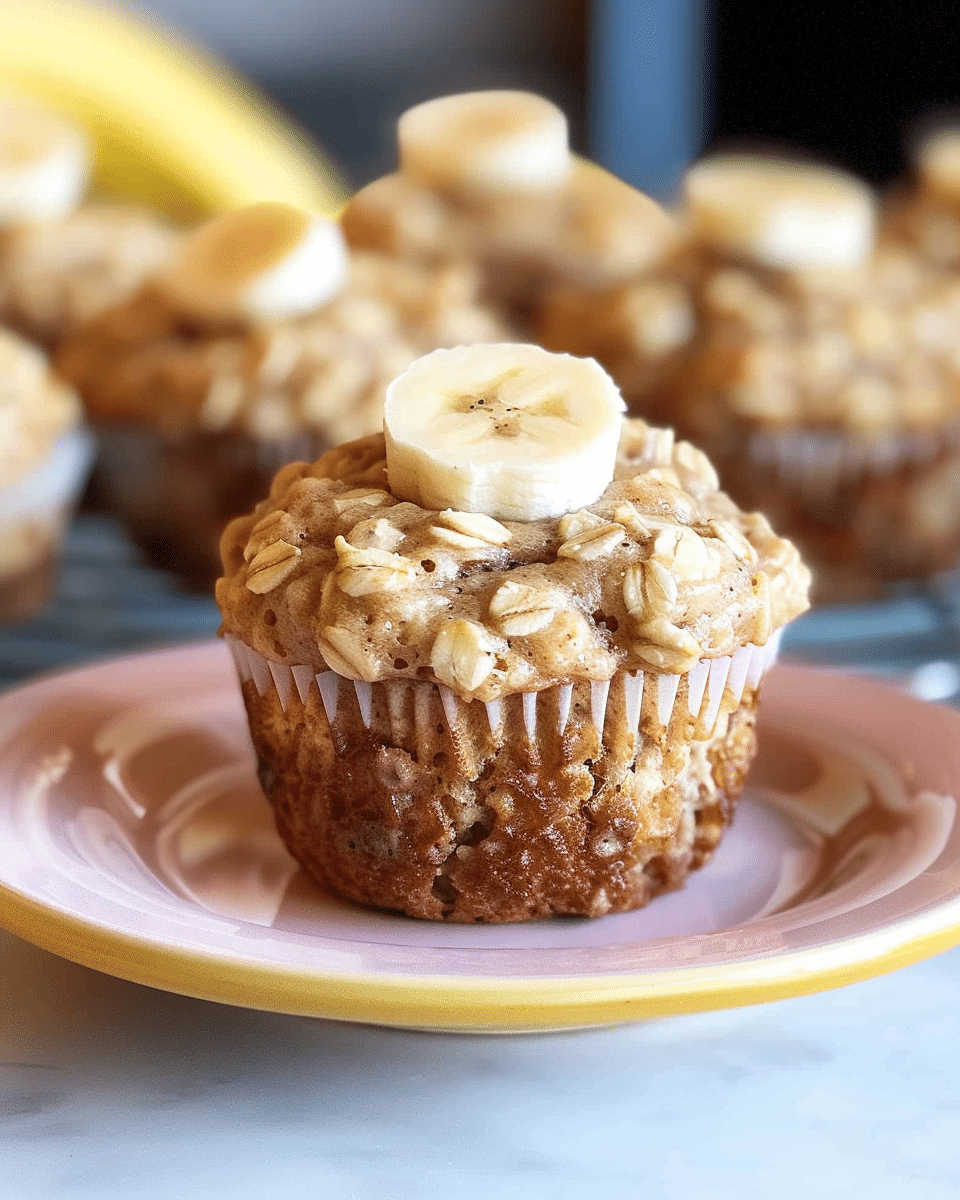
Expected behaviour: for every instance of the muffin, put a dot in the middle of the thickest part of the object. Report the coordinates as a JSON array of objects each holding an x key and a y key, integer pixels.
[
  {"x": 640, "y": 330},
  {"x": 44, "y": 459},
  {"x": 502, "y": 661},
  {"x": 60, "y": 264},
  {"x": 923, "y": 216},
  {"x": 822, "y": 378},
  {"x": 260, "y": 342},
  {"x": 488, "y": 178}
]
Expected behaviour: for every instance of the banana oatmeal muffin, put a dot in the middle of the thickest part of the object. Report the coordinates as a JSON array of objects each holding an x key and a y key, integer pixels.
[
  {"x": 59, "y": 263},
  {"x": 260, "y": 342},
  {"x": 503, "y": 660},
  {"x": 488, "y": 178},
  {"x": 923, "y": 216},
  {"x": 44, "y": 459},
  {"x": 823, "y": 377}
]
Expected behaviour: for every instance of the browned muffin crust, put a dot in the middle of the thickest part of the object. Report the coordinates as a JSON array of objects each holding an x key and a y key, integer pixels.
[
  {"x": 464, "y": 826},
  {"x": 149, "y": 361},
  {"x": 590, "y": 232}
]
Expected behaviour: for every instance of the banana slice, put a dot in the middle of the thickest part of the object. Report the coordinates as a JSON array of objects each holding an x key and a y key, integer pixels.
[
  {"x": 508, "y": 430},
  {"x": 794, "y": 216},
  {"x": 265, "y": 261},
  {"x": 485, "y": 143},
  {"x": 44, "y": 163},
  {"x": 938, "y": 162}
]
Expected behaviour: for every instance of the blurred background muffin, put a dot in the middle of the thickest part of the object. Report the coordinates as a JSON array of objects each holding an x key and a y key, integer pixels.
[
  {"x": 488, "y": 178},
  {"x": 44, "y": 458},
  {"x": 823, "y": 375},
  {"x": 262, "y": 341},
  {"x": 63, "y": 258}
]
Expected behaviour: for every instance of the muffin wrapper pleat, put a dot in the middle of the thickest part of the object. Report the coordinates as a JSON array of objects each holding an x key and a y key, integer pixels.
[
  {"x": 52, "y": 488},
  {"x": 819, "y": 462},
  {"x": 700, "y": 700}
]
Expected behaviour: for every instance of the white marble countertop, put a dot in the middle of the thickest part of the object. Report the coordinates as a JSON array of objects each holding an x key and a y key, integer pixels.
[{"x": 112, "y": 1090}]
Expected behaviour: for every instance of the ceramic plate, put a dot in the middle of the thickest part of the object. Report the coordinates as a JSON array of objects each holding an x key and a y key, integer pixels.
[{"x": 134, "y": 839}]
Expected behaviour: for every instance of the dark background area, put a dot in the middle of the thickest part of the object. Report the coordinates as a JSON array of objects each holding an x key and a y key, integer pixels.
[{"x": 848, "y": 82}]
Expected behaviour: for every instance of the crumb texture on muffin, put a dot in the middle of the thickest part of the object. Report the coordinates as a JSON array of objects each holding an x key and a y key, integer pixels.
[
  {"x": 55, "y": 276},
  {"x": 456, "y": 821},
  {"x": 149, "y": 360}
]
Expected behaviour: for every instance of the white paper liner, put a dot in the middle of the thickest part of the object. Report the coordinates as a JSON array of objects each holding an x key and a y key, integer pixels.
[
  {"x": 52, "y": 489},
  {"x": 818, "y": 462},
  {"x": 707, "y": 684}
]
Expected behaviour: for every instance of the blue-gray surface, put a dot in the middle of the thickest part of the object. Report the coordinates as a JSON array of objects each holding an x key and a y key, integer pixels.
[{"x": 108, "y": 602}]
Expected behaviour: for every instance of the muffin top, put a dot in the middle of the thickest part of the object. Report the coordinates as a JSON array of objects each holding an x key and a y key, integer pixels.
[
  {"x": 35, "y": 407},
  {"x": 867, "y": 353},
  {"x": 60, "y": 263},
  {"x": 262, "y": 325},
  {"x": 334, "y": 570},
  {"x": 488, "y": 177}
]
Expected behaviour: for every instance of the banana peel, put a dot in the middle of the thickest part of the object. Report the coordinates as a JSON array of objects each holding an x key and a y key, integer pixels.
[{"x": 171, "y": 127}]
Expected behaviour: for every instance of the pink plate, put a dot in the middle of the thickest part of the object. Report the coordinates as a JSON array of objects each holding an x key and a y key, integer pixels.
[{"x": 134, "y": 839}]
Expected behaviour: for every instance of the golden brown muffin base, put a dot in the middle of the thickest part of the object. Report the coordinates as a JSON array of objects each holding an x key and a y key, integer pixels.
[
  {"x": 862, "y": 532},
  {"x": 407, "y": 816},
  {"x": 176, "y": 492}
]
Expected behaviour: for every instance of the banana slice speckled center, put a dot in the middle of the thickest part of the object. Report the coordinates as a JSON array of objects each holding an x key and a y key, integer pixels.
[{"x": 508, "y": 430}]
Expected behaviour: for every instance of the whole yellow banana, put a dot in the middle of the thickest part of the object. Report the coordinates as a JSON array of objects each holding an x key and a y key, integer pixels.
[{"x": 170, "y": 125}]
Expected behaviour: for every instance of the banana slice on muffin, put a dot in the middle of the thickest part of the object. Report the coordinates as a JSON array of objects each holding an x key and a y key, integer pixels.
[
  {"x": 486, "y": 142},
  {"x": 264, "y": 261},
  {"x": 508, "y": 430},
  {"x": 44, "y": 163},
  {"x": 789, "y": 215}
]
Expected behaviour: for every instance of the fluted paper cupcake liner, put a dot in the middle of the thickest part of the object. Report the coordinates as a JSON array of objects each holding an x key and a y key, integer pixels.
[
  {"x": 34, "y": 513},
  {"x": 700, "y": 700},
  {"x": 819, "y": 462},
  {"x": 52, "y": 488}
]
